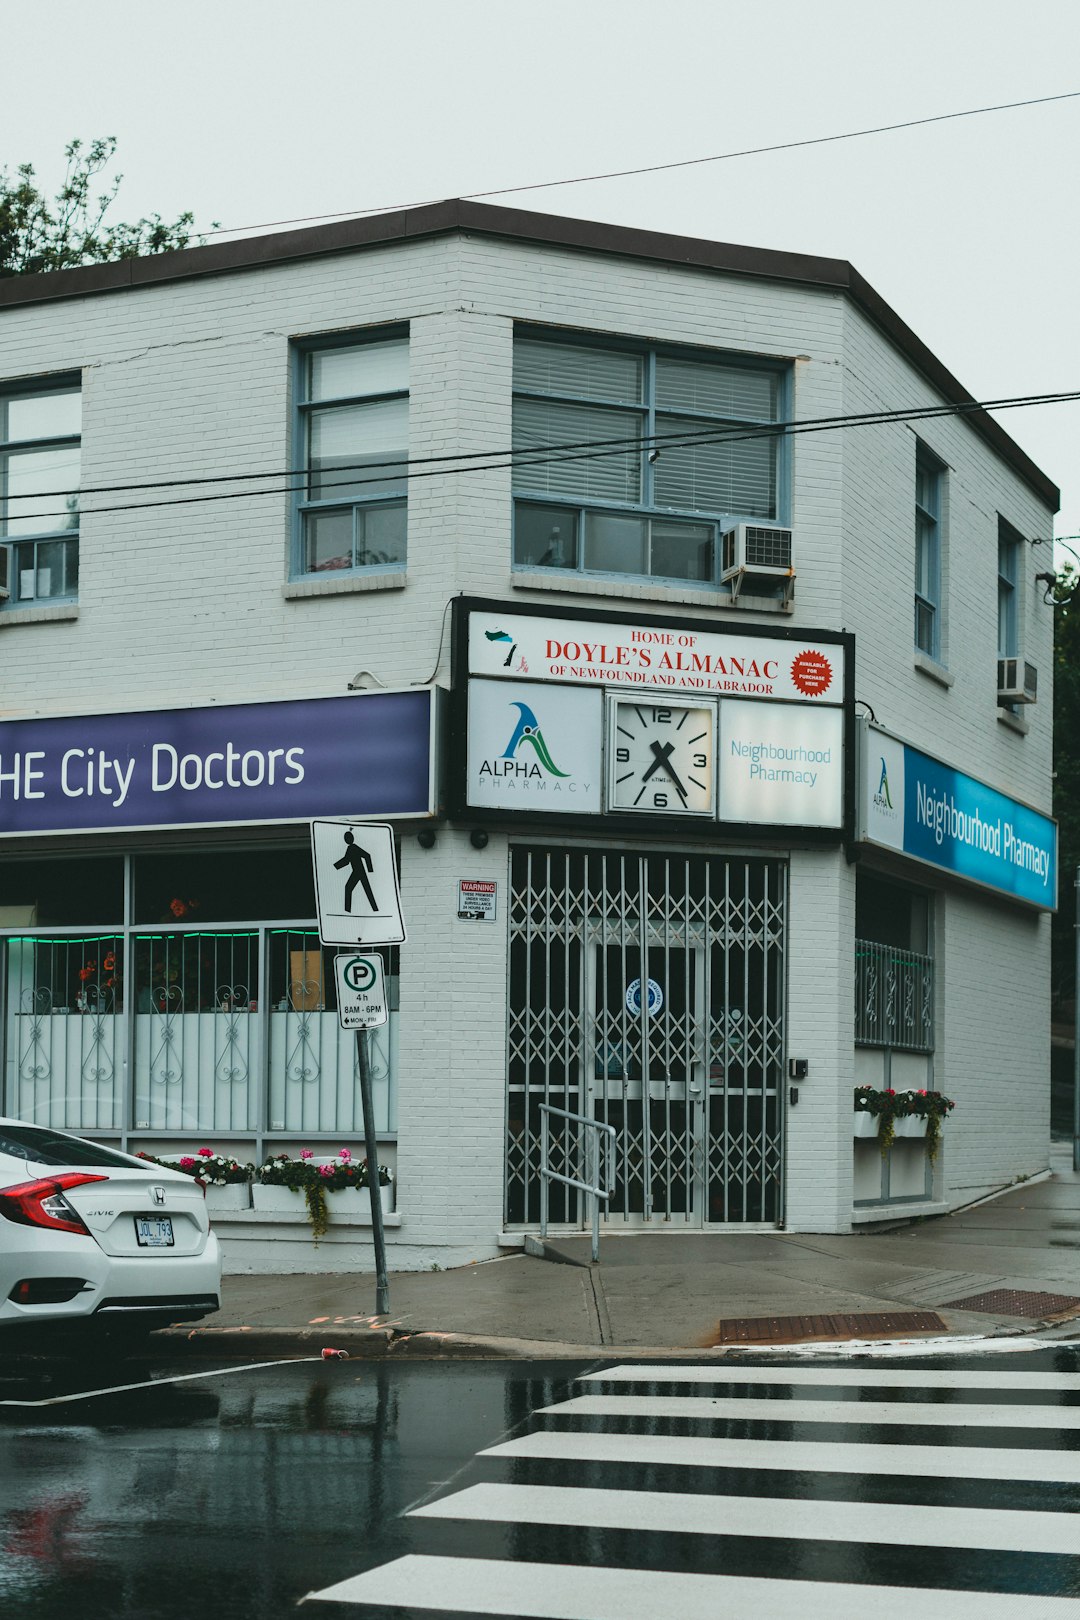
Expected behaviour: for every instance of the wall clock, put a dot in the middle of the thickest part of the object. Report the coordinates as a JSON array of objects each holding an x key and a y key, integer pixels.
[{"x": 661, "y": 756}]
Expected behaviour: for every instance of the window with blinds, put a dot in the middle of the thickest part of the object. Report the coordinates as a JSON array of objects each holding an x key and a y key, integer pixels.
[
  {"x": 354, "y": 429},
  {"x": 636, "y": 461}
]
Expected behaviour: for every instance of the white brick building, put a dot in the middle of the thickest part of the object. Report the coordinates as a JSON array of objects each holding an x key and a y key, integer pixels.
[{"x": 237, "y": 419}]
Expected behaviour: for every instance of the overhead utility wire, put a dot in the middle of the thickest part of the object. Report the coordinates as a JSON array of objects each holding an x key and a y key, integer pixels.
[
  {"x": 525, "y": 458},
  {"x": 651, "y": 168},
  {"x": 513, "y": 457}
]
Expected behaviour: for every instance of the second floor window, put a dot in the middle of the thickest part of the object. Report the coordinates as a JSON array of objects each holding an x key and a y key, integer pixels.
[
  {"x": 929, "y": 476},
  {"x": 1009, "y": 552},
  {"x": 40, "y": 431},
  {"x": 674, "y": 449},
  {"x": 354, "y": 433}
]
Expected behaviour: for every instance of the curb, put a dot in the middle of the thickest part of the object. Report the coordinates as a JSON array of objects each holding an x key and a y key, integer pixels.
[{"x": 396, "y": 1344}]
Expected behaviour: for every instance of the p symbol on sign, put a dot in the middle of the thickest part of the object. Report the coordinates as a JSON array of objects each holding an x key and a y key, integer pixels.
[{"x": 360, "y": 973}]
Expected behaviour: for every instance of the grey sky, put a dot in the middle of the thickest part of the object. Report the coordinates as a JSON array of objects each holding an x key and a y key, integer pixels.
[{"x": 249, "y": 111}]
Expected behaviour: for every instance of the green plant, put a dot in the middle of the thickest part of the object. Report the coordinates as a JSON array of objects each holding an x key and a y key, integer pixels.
[
  {"x": 303, "y": 1175},
  {"x": 207, "y": 1167},
  {"x": 889, "y": 1105}
]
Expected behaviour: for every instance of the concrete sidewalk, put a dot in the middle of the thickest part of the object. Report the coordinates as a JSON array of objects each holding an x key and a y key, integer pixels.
[{"x": 665, "y": 1293}]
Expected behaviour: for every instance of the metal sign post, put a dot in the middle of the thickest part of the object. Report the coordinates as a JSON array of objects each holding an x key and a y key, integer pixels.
[
  {"x": 346, "y": 854},
  {"x": 382, "y": 1285}
]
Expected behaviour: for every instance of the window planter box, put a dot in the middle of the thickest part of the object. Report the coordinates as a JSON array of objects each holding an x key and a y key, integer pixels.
[
  {"x": 282, "y": 1199},
  {"x": 911, "y": 1128},
  {"x": 350, "y": 1204},
  {"x": 235, "y": 1195},
  {"x": 865, "y": 1123}
]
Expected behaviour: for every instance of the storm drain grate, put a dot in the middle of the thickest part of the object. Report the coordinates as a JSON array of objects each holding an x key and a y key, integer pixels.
[
  {"x": 844, "y": 1325},
  {"x": 1016, "y": 1302}
]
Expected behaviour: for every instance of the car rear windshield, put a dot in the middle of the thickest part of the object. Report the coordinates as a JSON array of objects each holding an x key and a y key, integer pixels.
[{"x": 43, "y": 1146}]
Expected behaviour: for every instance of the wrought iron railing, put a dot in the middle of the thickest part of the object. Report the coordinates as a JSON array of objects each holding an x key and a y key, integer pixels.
[
  {"x": 894, "y": 998},
  {"x": 185, "y": 1029}
]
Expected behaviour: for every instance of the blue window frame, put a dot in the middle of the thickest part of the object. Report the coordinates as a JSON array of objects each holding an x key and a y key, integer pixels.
[
  {"x": 40, "y": 439},
  {"x": 929, "y": 477},
  {"x": 353, "y": 434},
  {"x": 1010, "y": 550},
  {"x": 669, "y": 470}
]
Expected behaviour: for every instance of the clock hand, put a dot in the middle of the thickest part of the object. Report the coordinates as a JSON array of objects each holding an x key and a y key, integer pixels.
[
  {"x": 660, "y": 761},
  {"x": 663, "y": 759}
]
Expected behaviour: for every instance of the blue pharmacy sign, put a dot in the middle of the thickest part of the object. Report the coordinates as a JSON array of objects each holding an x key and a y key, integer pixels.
[
  {"x": 235, "y": 764},
  {"x": 934, "y": 813}
]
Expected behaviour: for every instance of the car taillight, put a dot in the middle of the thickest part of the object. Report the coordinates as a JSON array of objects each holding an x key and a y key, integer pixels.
[{"x": 42, "y": 1203}]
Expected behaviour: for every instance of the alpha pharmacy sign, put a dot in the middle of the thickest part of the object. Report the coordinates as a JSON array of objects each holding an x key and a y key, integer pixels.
[
  {"x": 933, "y": 813},
  {"x": 533, "y": 747},
  {"x": 667, "y": 657}
]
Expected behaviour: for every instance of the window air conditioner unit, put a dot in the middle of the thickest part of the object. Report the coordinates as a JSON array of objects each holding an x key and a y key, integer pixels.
[
  {"x": 5, "y": 572},
  {"x": 1018, "y": 682},
  {"x": 757, "y": 551}
]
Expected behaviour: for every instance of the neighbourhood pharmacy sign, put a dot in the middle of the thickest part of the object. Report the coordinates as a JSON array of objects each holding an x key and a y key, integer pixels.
[
  {"x": 934, "y": 813},
  {"x": 361, "y": 756}
]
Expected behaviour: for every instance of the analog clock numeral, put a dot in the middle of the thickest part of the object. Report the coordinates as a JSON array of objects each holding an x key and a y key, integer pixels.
[
  {"x": 662, "y": 716},
  {"x": 701, "y": 761},
  {"x": 660, "y": 801},
  {"x": 622, "y": 756}
]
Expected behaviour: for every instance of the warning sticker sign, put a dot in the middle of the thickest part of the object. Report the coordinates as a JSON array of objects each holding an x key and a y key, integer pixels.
[{"x": 477, "y": 900}]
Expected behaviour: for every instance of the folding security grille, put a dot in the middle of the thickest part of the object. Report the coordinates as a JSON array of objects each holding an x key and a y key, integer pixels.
[{"x": 647, "y": 991}]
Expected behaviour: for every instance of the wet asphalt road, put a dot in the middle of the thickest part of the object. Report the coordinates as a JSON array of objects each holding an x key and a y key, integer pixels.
[{"x": 938, "y": 1482}]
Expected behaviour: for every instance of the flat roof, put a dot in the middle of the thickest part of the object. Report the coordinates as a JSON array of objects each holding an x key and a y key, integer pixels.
[{"x": 550, "y": 230}]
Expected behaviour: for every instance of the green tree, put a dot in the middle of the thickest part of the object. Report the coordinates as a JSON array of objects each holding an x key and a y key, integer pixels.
[{"x": 37, "y": 233}]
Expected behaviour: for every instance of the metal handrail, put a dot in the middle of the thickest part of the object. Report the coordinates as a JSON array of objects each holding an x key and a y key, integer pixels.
[{"x": 601, "y": 1136}]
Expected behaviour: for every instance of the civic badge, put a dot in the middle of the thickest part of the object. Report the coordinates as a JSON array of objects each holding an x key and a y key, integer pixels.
[{"x": 159, "y": 1194}]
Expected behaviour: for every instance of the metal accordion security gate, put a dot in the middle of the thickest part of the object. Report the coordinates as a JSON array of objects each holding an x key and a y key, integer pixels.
[{"x": 647, "y": 991}]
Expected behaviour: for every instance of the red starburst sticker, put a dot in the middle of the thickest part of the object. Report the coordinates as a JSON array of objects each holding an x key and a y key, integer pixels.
[{"x": 811, "y": 673}]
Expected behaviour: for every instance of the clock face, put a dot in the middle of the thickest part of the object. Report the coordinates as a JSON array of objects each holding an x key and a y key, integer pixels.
[{"x": 661, "y": 757}]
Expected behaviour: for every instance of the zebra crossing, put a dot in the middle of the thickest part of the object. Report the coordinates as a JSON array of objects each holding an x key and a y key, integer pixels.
[{"x": 781, "y": 1492}]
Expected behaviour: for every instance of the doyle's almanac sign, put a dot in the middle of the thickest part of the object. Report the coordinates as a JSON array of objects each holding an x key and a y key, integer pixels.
[
  {"x": 364, "y": 755},
  {"x": 577, "y": 651},
  {"x": 933, "y": 813}
]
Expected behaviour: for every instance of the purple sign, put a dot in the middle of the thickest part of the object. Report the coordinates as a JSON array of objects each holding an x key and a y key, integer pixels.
[{"x": 368, "y": 755}]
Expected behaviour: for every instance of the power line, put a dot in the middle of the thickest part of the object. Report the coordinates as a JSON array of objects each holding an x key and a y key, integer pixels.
[
  {"x": 653, "y": 168},
  {"x": 579, "y": 450}
]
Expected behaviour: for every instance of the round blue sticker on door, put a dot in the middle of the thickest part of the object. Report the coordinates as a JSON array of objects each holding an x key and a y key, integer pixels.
[{"x": 653, "y": 993}]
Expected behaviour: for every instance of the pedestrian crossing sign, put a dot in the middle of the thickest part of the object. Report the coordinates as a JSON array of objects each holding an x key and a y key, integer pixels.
[{"x": 356, "y": 883}]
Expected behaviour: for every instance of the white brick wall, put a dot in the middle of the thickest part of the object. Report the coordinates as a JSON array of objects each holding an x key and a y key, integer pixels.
[{"x": 185, "y": 604}]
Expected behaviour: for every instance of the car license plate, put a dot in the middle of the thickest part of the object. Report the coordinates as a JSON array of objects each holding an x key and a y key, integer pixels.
[{"x": 154, "y": 1231}]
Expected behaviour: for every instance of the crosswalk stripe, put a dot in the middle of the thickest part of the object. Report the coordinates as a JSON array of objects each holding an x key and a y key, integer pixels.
[
  {"x": 894, "y": 1377},
  {"x": 952, "y": 1462},
  {"x": 892, "y": 1524},
  {"x": 907, "y": 1414},
  {"x": 530, "y": 1591}
]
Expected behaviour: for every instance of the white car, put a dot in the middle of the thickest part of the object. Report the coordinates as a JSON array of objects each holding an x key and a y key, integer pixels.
[{"x": 96, "y": 1237}]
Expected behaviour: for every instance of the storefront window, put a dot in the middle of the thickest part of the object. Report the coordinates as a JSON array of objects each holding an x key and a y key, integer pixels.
[{"x": 203, "y": 1014}]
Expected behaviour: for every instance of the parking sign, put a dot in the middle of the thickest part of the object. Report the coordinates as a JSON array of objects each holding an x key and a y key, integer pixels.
[{"x": 361, "y": 990}]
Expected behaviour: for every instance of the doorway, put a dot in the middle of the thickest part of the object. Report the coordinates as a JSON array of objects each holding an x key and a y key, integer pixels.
[{"x": 647, "y": 992}]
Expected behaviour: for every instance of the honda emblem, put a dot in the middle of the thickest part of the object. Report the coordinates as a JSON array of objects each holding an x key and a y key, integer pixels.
[{"x": 159, "y": 1194}]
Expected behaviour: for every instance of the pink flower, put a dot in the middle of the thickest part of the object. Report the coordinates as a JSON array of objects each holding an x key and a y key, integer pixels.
[
  {"x": 306, "y": 1153},
  {"x": 344, "y": 1155},
  {"x": 206, "y": 1153},
  {"x": 187, "y": 1162},
  {"x": 326, "y": 1169}
]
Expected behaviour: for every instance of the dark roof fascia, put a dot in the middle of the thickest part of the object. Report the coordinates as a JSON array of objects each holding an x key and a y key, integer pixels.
[{"x": 591, "y": 236}]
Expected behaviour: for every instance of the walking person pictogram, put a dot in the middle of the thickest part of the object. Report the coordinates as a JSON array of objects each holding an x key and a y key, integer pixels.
[{"x": 360, "y": 864}]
